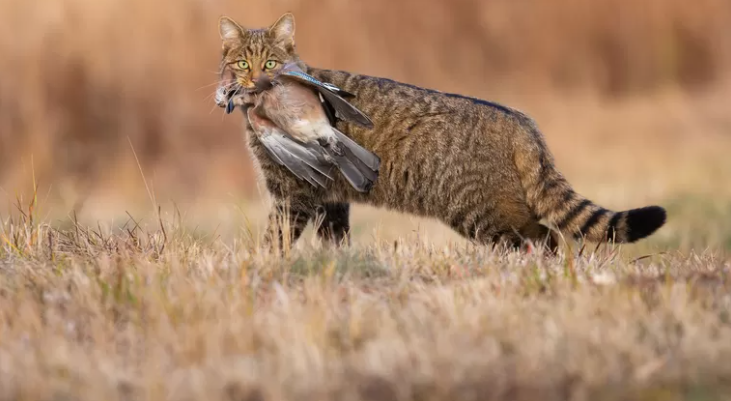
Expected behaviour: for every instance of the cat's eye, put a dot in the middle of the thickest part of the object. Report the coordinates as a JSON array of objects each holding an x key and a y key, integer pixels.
[
  {"x": 270, "y": 64},
  {"x": 244, "y": 65}
]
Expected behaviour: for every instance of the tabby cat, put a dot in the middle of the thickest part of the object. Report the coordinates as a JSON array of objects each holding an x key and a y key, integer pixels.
[{"x": 481, "y": 168}]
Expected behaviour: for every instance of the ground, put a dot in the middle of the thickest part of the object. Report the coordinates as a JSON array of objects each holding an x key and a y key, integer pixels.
[{"x": 86, "y": 314}]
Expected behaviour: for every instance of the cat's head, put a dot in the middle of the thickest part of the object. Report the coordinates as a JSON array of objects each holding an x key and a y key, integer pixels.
[{"x": 251, "y": 54}]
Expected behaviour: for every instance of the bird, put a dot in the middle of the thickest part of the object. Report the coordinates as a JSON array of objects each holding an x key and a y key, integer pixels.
[{"x": 294, "y": 118}]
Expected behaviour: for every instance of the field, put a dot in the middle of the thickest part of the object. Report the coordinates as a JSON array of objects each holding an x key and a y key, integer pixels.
[{"x": 130, "y": 258}]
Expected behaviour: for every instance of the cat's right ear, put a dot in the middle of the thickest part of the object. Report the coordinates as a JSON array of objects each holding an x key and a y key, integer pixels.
[{"x": 230, "y": 31}]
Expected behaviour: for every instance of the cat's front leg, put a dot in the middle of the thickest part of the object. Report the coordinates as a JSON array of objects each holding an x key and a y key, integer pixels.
[
  {"x": 334, "y": 223},
  {"x": 286, "y": 221}
]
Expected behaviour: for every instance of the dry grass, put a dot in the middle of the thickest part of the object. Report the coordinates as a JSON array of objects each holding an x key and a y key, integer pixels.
[{"x": 158, "y": 312}]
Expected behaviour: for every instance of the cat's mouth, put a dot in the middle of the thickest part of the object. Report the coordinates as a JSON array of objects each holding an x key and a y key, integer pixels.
[{"x": 230, "y": 95}]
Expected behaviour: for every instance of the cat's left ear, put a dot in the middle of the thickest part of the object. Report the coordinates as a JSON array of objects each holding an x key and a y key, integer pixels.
[
  {"x": 230, "y": 32},
  {"x": 282, "y": 31}
]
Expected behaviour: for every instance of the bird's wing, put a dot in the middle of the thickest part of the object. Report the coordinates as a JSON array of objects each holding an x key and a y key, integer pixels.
[
  {"x": 311, "y": 156},
  {"x": 282, "y": 155},
  {"x": 333, "y": 95},
  {"x": 347, "y": 111},
  {"x": 298, "y": 160},
  {"x": 301, "y": 161}
]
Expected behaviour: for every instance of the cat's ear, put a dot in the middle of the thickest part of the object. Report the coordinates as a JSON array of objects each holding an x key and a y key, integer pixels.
[
  {"x": 282, "y": 31},
  {"x": 230, "y": 31}
]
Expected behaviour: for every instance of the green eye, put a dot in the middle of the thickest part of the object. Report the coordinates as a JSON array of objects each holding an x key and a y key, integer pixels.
[
  {"x": 270, "y": 64},
  {"x": 243, "y": 65}
]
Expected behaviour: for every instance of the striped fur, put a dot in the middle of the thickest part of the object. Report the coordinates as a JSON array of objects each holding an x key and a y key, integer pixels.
[{"x": 482, "y": 168}]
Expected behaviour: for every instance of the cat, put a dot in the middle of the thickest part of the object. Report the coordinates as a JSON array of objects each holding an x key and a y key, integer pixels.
[{"x": 481, "y": 168}]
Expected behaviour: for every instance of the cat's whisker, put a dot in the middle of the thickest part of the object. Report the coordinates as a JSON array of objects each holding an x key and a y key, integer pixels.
[
  {"x": 212, "y": 108},
  {"x": 228, "y": 88},
  {"x": 209, "y": 96},
  {"x": 224, "y": 81}
]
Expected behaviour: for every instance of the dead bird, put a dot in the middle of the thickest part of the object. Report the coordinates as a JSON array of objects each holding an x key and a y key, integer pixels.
[{"x": 294, "y": 117}]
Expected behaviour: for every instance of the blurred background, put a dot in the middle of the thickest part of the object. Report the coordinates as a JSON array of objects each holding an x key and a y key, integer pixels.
[{"x": 632, "y": 95}]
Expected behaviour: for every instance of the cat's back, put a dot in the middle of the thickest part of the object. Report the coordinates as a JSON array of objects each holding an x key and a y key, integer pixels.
[
  {"x": 407, "y": 116},
  {"x": 375, "y": 92}
]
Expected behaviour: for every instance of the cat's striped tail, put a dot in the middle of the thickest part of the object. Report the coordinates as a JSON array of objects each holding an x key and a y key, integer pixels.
[{"x": 552, "y": 198}]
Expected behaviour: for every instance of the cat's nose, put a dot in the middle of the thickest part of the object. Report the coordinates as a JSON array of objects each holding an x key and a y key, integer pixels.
[{"x": 262, "y": 83}]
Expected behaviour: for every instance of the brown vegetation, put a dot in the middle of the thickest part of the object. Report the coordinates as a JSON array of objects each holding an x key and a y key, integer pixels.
[{"x": 89, "y": 314}]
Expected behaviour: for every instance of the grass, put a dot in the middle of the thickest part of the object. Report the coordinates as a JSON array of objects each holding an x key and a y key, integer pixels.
[{"x": 155, "y": 311}]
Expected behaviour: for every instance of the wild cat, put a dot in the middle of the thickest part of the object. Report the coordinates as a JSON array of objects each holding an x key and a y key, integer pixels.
[{"x": 480, "y": 167}]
